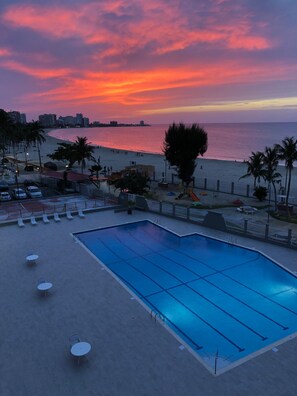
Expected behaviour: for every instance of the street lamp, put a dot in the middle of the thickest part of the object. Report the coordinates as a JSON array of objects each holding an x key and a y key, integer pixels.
[
  {"x": 165, "y": 170},
  {"x": 268, "y": 212}
]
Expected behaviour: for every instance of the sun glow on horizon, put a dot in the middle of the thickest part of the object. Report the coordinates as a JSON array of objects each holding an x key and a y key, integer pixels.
[{"x": 264, "y": 104}]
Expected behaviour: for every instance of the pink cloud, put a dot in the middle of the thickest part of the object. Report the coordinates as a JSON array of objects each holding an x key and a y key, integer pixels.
[
  {"x": 88, "y": 22},
  {"x": 155, "y": 86},
  {"x": 4, "y": 52},
  {"x": 40, "y": 73},
  {"x": 148, "y": 52}
]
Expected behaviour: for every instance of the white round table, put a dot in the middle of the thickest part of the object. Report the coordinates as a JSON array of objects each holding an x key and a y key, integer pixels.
[
  {"x": 32, "y": 258},
  {"x": 44, "y": 287},
  {"x": 80, "y": 349}
]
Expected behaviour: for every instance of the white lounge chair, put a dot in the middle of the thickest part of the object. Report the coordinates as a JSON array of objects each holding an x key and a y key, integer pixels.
[
  {"x": 56, "y": 217},
  {"x": 33, "y": 221},
  {"x": 69, "y": 215},
  {"x": 81, "y": 213},
  {"x": 45, "y": 219},
  {"x": 20, "y": 222}
]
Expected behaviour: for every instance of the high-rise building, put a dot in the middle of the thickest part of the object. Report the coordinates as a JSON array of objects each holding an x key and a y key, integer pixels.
[
  {"x": 69, "y": 121},
  {"x": 15, "y": 116},
  {"x": 86, "y": 122},
  {"x": 23, "y": 118},
  {"x": 79, "y": 119},
  {"x": 48, "y": 120}
]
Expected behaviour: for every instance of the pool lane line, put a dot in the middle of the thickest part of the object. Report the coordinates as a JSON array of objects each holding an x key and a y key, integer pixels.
[
  {"x": 228, "y": 276},
  {"x": 247, "y": 305},
  {"x": 260, "y": 294},
  {"x": 162, "y": 288},
  {"x": 263, "y": 338},
  {"x": 147, "y": 235},
  {"x": 149, "y": 304},
  {"x": 197, "y": 346},
  {"x": 249, "y": 288},
  {"x": 213, "y": 268},
  {"x": 226, "y": 292},
  {"x": 240, "y": 349},
  {"x": 185, "y": 283}
]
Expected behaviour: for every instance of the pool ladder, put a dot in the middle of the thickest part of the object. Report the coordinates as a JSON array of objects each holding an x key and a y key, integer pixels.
[{"x": 155, "y": 315}]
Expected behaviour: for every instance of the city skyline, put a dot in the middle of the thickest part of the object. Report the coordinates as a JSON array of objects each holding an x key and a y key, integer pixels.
[{"x": 195, "y": 61}]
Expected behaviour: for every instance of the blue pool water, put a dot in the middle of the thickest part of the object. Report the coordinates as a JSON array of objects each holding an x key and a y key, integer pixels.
[{"x": 224, "y": 301}]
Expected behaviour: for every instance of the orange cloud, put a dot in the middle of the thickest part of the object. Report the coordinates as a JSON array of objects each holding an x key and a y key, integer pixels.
[
  {"x": 136, "y": 31},
  {"x": 157, "y": 86}
]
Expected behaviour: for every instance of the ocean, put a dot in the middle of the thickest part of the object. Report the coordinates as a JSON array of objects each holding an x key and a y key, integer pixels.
[{"x": 225, "y": 141}]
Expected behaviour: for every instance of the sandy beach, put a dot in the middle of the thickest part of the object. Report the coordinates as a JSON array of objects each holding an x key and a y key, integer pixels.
[{"x": 116, "y": 160}]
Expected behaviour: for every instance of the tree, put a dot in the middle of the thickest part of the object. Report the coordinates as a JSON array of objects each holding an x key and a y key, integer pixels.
[
  {"x": 255, "y": 167},
  {"x": 260, "y": 193},
  {"x": 78, "y": 151},
  {"x": 65, "y": 152},
  {"x": 95, "y": 169},
  {"x": 133, "y": 183},
  {"x": 181, "y": 147},
  {"x": 270, "y": 160},
  {"x": 6, "y": 127},
  {"x": 83, "y": 151},
  {"x": 288, "y": 153},
  {"x": 35, "y": 134}
]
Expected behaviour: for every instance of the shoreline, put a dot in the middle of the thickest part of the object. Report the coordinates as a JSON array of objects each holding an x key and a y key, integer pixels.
[
  {"x": 111, "y": 155},
  {"x": 117, "y": 159},
  {"x": 47, "y": 131}
]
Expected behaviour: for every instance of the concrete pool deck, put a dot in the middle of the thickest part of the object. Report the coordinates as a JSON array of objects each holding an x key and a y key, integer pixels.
[{"x": 131, "y": 353}]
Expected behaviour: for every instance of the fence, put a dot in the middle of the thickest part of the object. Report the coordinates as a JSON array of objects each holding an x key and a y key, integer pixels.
[
  {"x": 238, "y": 187},
  {"x": 62, "y": 204},
  {"x": 240, "y": 227}
]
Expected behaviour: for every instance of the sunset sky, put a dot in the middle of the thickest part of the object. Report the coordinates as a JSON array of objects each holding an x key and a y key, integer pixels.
[{"x": 153, "y": 60}]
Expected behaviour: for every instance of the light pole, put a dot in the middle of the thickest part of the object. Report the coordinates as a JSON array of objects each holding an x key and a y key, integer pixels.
[
  {"x": 17, "y": 170},
  {"x": 268, "y": 212},
  {"x": 165, "y": 170}
]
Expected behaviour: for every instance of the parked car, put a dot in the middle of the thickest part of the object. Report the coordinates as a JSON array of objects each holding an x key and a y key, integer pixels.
[
  {"x": 5, "y": 196},
  {"x": 33, "y": 192},
  {"x": 29, "y": 168},
  {"x": 247, "y": 209},
  {"x": 19, "y": 193}
]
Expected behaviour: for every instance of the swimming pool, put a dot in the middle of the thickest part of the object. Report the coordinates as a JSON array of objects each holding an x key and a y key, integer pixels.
[{"x": 226, "y": 303}]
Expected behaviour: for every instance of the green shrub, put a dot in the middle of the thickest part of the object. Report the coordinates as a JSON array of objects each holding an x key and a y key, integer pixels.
[{"x": 260, "y": 193}]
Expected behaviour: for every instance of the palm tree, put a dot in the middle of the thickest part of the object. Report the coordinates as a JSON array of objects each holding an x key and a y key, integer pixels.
[
  {"x": 65, "y": 152},
  {"x": 255, "y": 167},
  {"x": 288, "y": 153},
  {"x": 5, "y": 131},
  {"x": 83, "y": 151},
  {"x": 35, "y": 134},
  {"x": 16, "y": 137},
  {"x": 95, "y": 169},
  {"x": 270, "y": 160}
]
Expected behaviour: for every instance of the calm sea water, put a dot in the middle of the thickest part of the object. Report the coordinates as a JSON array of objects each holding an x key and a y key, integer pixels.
[{"x": 225, "y": 141}]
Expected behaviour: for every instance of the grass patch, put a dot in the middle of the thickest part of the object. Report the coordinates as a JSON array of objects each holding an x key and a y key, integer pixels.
[{"x": 282, "y": 217}]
